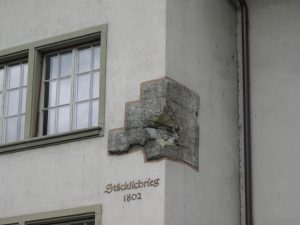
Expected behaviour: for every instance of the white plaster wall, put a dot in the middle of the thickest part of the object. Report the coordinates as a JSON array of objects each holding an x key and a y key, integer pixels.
[
  {"x": 201, "y": 54},
  {"x": 75, "y": 174},
  {"x": 275, "y": 82}
]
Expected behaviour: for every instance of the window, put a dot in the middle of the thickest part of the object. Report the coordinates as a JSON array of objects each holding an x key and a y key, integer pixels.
[
  {"x": 87, "y": 215},
  {"x": 86, "y": 219},
  {"x": 71, "y": 89},
  {"x": 53, "y": 91},
  {"x": 13, "y": 89}
]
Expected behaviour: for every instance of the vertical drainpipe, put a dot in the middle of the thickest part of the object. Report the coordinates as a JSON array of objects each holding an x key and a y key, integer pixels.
[{"x": 246, "y": 112}]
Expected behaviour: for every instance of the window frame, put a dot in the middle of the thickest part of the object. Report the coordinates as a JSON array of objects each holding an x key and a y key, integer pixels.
[
  {"x": 58, "y": 215},
  {"x": 5, "y": 98},
  {"x": 34, "y": 52},
  {"x": 73, "y": 85}
]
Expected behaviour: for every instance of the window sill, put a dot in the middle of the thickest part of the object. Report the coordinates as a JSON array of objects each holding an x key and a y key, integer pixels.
[{"x": 43, "y": 141}]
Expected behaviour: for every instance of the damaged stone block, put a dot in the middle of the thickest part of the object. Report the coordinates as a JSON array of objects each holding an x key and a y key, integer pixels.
[{"x": 163, "y": 122}]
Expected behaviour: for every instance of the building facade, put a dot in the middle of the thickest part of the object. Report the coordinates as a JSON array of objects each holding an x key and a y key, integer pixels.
[{"x": 130, "y": 112}]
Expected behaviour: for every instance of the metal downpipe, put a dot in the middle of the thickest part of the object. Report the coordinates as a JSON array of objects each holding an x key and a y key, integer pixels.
[{"x": 246, "y": 113}]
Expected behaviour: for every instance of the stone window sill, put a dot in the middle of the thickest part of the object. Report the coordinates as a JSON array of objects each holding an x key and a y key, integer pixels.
[{"x": 56, "y": 139}]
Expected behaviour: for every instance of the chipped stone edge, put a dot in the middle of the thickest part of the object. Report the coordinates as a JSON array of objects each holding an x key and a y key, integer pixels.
[{"x": 140, "y": 148}]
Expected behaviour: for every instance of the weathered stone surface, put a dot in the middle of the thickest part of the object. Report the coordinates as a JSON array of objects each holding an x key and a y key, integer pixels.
[
  {"x": 165, "y": 118},
  {"x": 133, "y": 116},
  {"x": 118, "y": 141},
  {"x": 183, "y": 96},
  {"x": 154, "y": 89},
  {"x": 164, "y": 122}
]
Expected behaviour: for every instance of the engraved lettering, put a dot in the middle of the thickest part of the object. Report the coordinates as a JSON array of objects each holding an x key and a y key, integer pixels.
[{"x": 133, "y": 184}]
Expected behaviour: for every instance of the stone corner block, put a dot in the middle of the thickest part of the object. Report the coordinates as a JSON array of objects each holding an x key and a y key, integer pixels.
[{"x": 164, "y": 122}]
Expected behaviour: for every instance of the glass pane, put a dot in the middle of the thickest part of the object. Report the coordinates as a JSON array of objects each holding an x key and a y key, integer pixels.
[
  {"x": 25, "y": 76},
  {"x": 22, "y": 126},
  {"x": 13, "y": 102},
  {"x": 96, "y": 85},
  {"x": 84, "y": 60},
  {"x": 78, "y": 223},
  {"x": 95, "y": 113},
  {"x": 23, "y": 107},
  {"x": 52, "y": 95},
  {"x": 11, "y": 129},
  {"x": 96, "y": 57},
  {"x": 1, "y": 79},
  {"x": 1, "y": 104},
  {"x": 91, "y": 223},
  {"x": 51, "y": 121},
  {"x": 66, "y": 64},
  {"x": 14, "y": 76},
  {"x": 64, "y": 119},
  {"x": 83, "y": 87},
  {"x": 64, "y": 91},
  {"x": 51, "y": 67},
  {"x": 82, "y": 115},
  {"x": 46, "y": 95}
]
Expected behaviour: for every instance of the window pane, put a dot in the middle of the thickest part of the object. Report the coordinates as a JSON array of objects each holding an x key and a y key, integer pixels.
[
  {"x": 64, "y": 119},
  {"x": 46, "y": 95},
  {"x": 83, "y": 87},
  {"x": 66, "y": 64},
  {"x": 1, "y": 96},
  {"x": 80, "y": 223},
  {"x": 14, "y": 76},
  {"x": 95, "y": 113},
  {"x": 64, "y": 91},
  {"x": 1, "y": 79},
  {"x": 13, "y": 102},
  {"x": 84, "y": 60},
  {"x": 96, "y": 85},
  {"x": 23, "y": 108},
  {"x": 52, "y": 95},
  {"x": 25, "y": 76},
  {"x": 82, "y": 115},
  {"x": 11, "y": 129},
  {"x": 51, "y": 67},
  {"x": 91, "y": 223},
  {"x": 87, "y": 222},
  {"x": 22, "y": 126},
  {"x": 96, "y": 57},
  {"x": 51, "y": 120}
]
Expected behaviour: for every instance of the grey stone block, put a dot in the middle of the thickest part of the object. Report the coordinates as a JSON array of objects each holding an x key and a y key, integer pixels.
[
  {"x": 151, "y": 107},
  {"x": 154, "y": 89},
  {"x": 183, "y": 96},
  {"x": 164, "y": 122},
  {"x": 118, "y": 141},
  {"x": 133, "y": 115}
]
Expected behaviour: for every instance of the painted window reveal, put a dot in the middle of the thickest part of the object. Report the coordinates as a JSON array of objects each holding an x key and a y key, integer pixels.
[
  {"x": 71, "y": 89},
  {"x": 86, "y": 215},
  {"x": 76, "y": 220},
  {"x": 13, "y": 89}
]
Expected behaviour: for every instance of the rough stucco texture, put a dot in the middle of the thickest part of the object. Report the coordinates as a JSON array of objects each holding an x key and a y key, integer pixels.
[
  {"x": 75, "y": 174},
  {"x": 201, "y": 44},
  {"x": 275, "y": 90},
  {"x": 164, "y": 122}
]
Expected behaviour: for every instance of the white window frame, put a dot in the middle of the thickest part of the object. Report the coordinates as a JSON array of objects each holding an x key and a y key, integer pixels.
[
  {"x": 74, "y": 80},
  {"x": 5, "y": 90}
]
